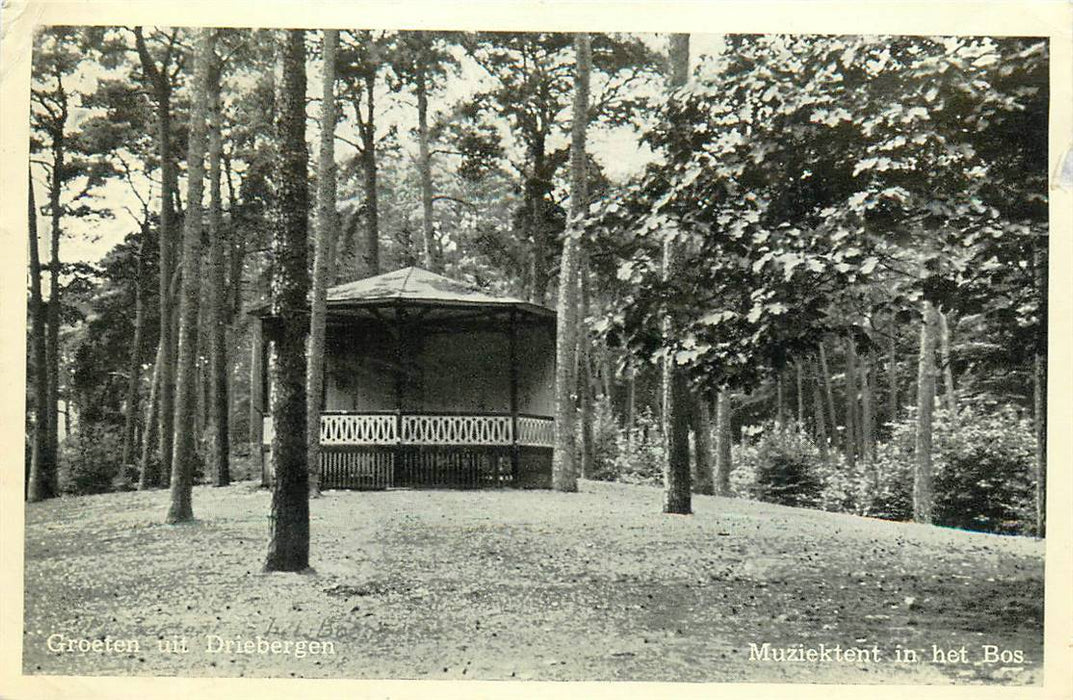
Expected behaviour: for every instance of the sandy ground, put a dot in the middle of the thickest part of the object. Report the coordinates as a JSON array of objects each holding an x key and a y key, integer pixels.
[{"x": 539, "y": 585}]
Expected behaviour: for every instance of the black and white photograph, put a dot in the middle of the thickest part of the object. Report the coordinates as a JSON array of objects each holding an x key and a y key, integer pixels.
[{"x": 365, "y": 351}]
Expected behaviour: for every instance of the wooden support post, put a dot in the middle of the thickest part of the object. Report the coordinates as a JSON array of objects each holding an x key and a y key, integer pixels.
[
  {"x": 400, "y": 379},
  {"x": 515, "y": 454}
]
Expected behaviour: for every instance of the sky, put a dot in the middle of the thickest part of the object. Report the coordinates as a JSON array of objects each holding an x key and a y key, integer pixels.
[{"x": 618, "y": 151}]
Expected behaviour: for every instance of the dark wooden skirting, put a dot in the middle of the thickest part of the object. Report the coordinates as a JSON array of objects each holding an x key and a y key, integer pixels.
[{"x": 380, "y": 467}]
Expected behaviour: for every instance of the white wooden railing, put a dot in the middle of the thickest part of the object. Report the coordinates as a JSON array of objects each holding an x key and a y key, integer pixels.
[{"x": 423, "y": 429}]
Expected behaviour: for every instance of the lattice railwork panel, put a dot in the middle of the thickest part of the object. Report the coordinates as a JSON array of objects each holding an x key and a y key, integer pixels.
[
  {"x": 456, "y": 430},
  {"x": 536, "y": 432},
  {"x": 358, "y": 429}
]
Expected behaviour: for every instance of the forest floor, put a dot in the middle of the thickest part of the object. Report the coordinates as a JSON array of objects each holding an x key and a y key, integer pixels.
[{"x": 537, "y": 585}]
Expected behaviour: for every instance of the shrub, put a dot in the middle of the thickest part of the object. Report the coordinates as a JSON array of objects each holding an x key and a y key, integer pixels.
[
  {"x": 784, "y": 466},
  {"x": 639, "y": 454},
  {"x": 982, "y": 465},
  {"x": 90, "y": 460},
  {"x": 605, "y": 437}
]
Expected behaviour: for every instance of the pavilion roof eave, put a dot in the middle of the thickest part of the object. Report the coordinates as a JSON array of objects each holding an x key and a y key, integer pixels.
[{"x": 529, "y": 308}]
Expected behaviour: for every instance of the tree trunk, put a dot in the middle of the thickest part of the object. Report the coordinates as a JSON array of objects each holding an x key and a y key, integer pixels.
[
  {"x": 183, "y": 457},
  {"x": 368, "y": 157},
  {"x": 923, "y": 495},
  {"x": 818, "y": 411},
  {"x": 535, "y": 191},
  {"x": 587, "y": 448},
  {"x": 564, "y": 470},
  {"x": 52, "y": 340},
  {"x": 949, "y": 394},
  {"x": 722, "y": 444},
  {"x": 150, "y": 470},
  {"x": 780, "y": 413},
  {"x": 631, "y": 404},
  {"x": 676, "y": 475},
  {"x": 702, "y": 440},
  {"x": 169, "y": 180},
  {"x": 219, "y": 402},
  {"x": 867, "y": 421},
  {"x": 323, "y": 257},
  {"x": 257, "y": 400},
  {"x": 288, "y": 549},
  {"x": 40, "y": 481},
  {"x": 851, "y": 437},
  {"x": 829, "y": 395},
  {"x": 892, "y": 376},
  {"x": 1039, "y": 387},
  {"x": 130, "y": 421},
  {"x": 424, "y": 162},
  {"x": 800, "y": 397}
]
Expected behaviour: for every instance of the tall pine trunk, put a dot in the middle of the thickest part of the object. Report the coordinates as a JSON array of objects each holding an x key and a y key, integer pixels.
[
  {"x": 923, "y": 493},
  {"x": 219, "y": 403},
  {"x": 184, "y": 457},
  {"x": 1039, "y": 386},
  {"x": 424, "y": 163},
  {"x": 535, "y": 191},
  {"x": 52, "y": 338},
  {"x": 169, "y": 183},
  {"x": 829, "y": 395},
  {"x": 586, "y": 448},
  {"x": 949, "y": 393},
  {"x": 780, "y": 412},
  {"x": 150, "y": 468},
  {"x": 323, "y": 258},
  {"x": 722, "y": 444},
  {"x": 702, "y": 439},
  {"x": 134, "y": 379},
  {"x": 818, "y": 411},
  {"x": 39, "y": 485},
  {"x": 564, "y": 469},
  {"x": 800, "y": 396},
  {"x": 867, "y": 420},
  {"x": 677, "y": 496},
  {"x": 892, "y": 375},
  {"x": 368, "y": 155},
  {"x": 851, "y": 437},
  {"x": 288, "y": 548}
]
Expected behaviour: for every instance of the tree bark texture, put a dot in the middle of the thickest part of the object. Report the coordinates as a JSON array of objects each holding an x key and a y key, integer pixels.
[
  {"x": 424, "y": 162},
  {"x": 368, "y": 155},
  {"x": 183, "y": 457},
  {"x": 39, "y": 486},
  {"x": 169, "y": 183},
  {"x": 288, "y": 549},
  {"x": 829, "y": 395},
  {"x": 923, "y": 492},
  {"x": 702, "y": 440},
  {"x": 677, "y": 490},
  {"x": 892, "y": 376},
  {"x": 149, "y": 476},
  {"x": 818, "y": 411},
  {"x": 219, "y": 402},
  {"x": 134, "y": 380},
  {"x": 1039, "y": 374},
  {"x": 949, "y": 392},
  {"x": 722, "y": 444},
  {"x": 323, "y": 257},
  {"x": 852, "y": 436},
  {"x": 586, "y": 388},
  {"x": 564, "y": 469}
]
